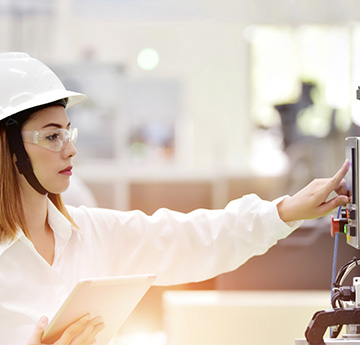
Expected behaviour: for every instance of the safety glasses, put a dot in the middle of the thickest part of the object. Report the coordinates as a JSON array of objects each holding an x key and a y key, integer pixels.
[{"x": 54, "y": 139}]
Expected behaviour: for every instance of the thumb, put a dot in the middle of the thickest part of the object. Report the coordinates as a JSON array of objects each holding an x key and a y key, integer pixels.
[
  {"x": 340, "y": 200},
  {"x": 35, "y": 338}
]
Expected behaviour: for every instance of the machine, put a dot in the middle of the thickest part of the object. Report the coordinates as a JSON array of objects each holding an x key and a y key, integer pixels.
[{"x": 345, "y": 300}]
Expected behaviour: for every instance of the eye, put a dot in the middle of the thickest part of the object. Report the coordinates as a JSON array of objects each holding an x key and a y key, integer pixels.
[{"x": 52, "y": 136}]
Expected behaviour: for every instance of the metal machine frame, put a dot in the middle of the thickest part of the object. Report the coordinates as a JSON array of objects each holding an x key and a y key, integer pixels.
[{"x": 345, "y": 300}]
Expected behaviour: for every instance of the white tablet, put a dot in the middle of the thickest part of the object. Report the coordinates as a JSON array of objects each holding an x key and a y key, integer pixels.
[{"x": 112, "y": 298}]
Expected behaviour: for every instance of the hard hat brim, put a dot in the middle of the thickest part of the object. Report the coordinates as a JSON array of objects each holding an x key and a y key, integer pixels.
[{"x": 45, "y": 98}]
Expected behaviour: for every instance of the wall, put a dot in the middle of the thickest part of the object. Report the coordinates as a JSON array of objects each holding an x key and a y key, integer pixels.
[{"x": 201, "y": 43}]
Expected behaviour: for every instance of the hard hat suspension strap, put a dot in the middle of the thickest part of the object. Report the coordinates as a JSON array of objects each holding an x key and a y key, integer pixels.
[{"x": 23, "y": 162}]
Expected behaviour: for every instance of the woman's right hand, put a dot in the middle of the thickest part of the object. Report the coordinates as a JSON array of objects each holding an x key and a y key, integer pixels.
[{"x": 81, "y": 332}]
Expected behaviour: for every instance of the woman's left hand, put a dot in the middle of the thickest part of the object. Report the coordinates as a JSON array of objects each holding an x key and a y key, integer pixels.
[{"x": 312, "y": 201}]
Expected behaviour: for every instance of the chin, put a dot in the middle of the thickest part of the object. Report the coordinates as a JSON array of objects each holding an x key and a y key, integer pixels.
[{"x": 58, "y": 189}]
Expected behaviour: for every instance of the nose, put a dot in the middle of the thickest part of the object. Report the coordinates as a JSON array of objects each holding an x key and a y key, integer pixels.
[{"x": 70, "y": 149}]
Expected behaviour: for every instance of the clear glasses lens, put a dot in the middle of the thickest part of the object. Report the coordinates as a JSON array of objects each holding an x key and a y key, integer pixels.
[{"x": 54, "y": 139}]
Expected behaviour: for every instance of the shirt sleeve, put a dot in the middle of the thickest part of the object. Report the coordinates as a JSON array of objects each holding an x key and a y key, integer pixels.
[{"x": 184, "y": 247}]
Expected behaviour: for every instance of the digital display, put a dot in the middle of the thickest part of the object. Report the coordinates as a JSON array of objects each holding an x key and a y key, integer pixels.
[
  {"x": 352, "y": 183},
  {"x": 350, "y": 177}
]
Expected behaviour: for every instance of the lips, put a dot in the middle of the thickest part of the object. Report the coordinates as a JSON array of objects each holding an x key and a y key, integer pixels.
[{"x": 66, "y": 171}]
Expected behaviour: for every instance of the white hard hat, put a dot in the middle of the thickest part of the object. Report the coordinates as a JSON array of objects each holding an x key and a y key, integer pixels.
[{"x": 27, "y": 83}]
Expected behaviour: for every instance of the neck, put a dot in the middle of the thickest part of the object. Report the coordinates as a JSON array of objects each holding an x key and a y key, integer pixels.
[
  {"x": 35, "y": 211},
  {"x": 40, "y": 233}
]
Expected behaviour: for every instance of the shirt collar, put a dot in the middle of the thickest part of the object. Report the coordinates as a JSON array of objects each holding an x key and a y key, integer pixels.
[{"x": 57, "y": 221}]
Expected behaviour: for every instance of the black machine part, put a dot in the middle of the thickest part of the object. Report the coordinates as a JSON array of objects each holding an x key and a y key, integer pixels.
[{"x": 326, "y": 318}]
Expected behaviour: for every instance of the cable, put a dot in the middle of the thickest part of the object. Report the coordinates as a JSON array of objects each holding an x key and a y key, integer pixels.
[
  {"x": 336, "y": 247},
  {"x": 340, "y": 293},
  {"x": 334, "y": 334},
  {"x": 344, "y": 272},
  {"x": 335, "y": 298}
]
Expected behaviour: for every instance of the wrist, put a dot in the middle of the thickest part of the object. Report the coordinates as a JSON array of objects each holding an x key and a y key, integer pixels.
[{"x": 283, "y": 210}]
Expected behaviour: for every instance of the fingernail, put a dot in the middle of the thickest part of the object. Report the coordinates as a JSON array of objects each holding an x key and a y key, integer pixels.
[
  {"x": 43, "y": 320},
  {"x": 85, "y": 318}
]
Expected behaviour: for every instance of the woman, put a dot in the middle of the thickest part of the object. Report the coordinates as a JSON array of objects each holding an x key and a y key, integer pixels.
[{"x": 45, "y": 247}]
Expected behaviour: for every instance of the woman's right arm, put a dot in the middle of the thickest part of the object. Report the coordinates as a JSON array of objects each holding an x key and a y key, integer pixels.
[{"x": 81, "y": 332}]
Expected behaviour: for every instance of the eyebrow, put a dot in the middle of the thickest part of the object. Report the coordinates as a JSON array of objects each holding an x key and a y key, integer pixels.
[{"x": 53, "y": 124}]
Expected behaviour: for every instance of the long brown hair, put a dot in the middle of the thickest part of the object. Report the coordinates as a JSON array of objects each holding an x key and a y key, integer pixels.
[{"x": 11, "y": 211}]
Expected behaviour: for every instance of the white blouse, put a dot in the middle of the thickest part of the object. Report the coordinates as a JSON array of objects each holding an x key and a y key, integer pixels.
[{"x": 177, "y": 247}]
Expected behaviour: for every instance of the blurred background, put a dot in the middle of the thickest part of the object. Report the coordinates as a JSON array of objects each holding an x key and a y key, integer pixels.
[{"x": 192, "y": 103}]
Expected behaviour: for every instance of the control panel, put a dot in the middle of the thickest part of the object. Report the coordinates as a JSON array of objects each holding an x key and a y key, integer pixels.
[
  {"x": 352, "y": 229},
  {"x": 348, "y": 219}
]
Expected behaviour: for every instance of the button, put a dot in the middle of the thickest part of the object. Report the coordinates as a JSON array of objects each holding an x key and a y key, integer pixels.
[
  {"x": 352, "y": 231},
  {"x": 352, "y": 214},
  {"x": 337, "y": 225}
]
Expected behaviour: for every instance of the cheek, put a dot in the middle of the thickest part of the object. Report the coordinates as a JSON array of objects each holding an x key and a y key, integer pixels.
[
  {"x": 41, "y": 160},
  {"x": 45, "y": 167}
]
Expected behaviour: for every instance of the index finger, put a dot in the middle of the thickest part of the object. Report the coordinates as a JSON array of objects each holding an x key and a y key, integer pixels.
[{"x": 335, "y": 181}]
